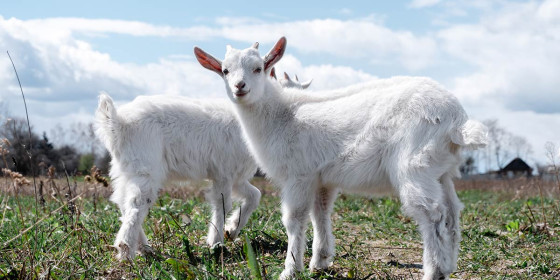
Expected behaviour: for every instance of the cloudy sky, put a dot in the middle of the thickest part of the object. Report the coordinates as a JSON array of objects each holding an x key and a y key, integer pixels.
[{"x": 501, "y": 58}]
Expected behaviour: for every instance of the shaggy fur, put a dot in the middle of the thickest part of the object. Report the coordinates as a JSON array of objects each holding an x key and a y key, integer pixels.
[
  {"x": 401, "y": 135},
  {"x": 154, "y": 139}
]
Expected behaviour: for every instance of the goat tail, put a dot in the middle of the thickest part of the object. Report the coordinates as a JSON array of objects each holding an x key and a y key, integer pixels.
[
  {"x": 472, "y": 134},
  {"x": 107, "y": 121}
]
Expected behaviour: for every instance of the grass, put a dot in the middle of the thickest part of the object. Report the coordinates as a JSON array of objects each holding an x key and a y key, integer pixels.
[{"x": 507, "y": 234}]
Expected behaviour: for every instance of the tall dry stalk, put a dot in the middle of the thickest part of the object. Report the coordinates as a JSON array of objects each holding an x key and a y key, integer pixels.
[
  {"x": 69, "y": 196},
  {"x": 4, "y": 151},
  {"x": 95, "y": 179},
  {"x": 51, "y": 176},
  {"x": 30, "y": 155}
]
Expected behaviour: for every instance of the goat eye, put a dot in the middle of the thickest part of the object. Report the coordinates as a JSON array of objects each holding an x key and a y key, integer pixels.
[
  {"x": 225, "y": 71},
  {"x": 258, "y": 70}
]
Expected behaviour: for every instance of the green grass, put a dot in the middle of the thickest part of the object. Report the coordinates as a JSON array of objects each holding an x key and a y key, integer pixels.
[{"x": 503, "y": 238}]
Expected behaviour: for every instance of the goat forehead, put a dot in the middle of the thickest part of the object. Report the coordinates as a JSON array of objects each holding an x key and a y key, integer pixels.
[
  {"x": 251, "y": 60},
  {"x": 246, "y": 57}
]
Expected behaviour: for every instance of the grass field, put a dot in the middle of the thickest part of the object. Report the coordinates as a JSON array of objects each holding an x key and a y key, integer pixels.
[{"x": 510, "y": 231}]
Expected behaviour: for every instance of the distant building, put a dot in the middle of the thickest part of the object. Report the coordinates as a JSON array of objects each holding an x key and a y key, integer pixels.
[{"x": 516, "y": 168}]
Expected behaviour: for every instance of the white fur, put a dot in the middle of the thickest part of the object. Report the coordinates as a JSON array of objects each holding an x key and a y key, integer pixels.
[
  {"x": 401, "y": 134},
  {"x": 154, "y": 139}
]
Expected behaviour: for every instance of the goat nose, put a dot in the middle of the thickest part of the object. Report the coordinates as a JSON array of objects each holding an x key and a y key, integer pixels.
[{"x": 240, "y": 85}]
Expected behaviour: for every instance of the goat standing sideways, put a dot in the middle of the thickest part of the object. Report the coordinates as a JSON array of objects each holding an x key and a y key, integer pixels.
[
  {"x": 402, "y": 134},
  {"x": 157, "y": 138}
]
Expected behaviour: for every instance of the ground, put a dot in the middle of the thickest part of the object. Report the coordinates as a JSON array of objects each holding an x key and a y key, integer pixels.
[{"x": 510, "y": 231}]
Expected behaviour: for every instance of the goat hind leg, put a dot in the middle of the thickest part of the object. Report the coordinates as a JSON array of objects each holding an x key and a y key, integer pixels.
[
  {"x": 452, "y": 221},
  {"x": 135, "y": 206},
  {"x": 423, "y": 200},
  {"x": 250, "y": 197},
  {"x": 323, "y": 239},
  {"x": 220, "y": 199}
]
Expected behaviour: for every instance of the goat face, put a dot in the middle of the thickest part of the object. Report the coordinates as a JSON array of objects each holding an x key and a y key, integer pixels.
[{"x": 243, "y": 71}]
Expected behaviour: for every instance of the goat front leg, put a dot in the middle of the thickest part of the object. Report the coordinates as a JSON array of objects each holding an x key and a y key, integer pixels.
[
  {"x": 250, "y": 197},
  {"x": 220, "y": 199},
  {"x": 296, "y": 203},
  {"x": 323, "y": 239}
]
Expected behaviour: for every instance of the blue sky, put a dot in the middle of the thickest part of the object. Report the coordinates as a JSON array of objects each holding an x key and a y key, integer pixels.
[{"x": 499, "y": 57}]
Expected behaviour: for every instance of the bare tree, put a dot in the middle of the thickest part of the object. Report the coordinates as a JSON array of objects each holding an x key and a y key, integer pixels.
[
  {"x": 553, "y": 154},
  {"x": 521, "y": 146},
  {"x": 495, "y": 144},
  {"x": 58, "y": 135},
  {"x": 84, "y": 139},
  {"x": 503, "y": 146}
]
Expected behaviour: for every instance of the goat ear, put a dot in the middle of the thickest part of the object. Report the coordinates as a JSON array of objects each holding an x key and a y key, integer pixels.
[
  {"x": 306, "y": 84},
  {"x": 256, "y": 45},
  {"x": 286, "y": 76},
  {"x": 275, "y": 53},
  {"x": 207, "y": 61},
  {"x": 273, "y": 73}
]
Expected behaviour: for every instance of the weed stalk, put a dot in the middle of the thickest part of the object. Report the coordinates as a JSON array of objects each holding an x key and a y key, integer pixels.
[{"x": 30, "y": 155}]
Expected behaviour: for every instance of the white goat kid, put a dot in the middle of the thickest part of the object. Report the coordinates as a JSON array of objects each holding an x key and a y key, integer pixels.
[
  {"x": 402, "y": 134},
  {"x": 286, "y": 82},
  {"x": 154, "y": 139}
]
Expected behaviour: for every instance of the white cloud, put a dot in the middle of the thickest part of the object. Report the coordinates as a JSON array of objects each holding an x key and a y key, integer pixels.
[
  {"x": 423, "y": 3},
  {"x": 359, "y": 38},
  {"x": 549, "y": 11},
  {"x": 56, "y": 29},
  {"x": 324, "y": 76},
  {"x": 62, "y": 75},
  {"x": 512, "y": 56},
  {"x": 515, "y": 53},
  {"x": 365, "y": 38}
]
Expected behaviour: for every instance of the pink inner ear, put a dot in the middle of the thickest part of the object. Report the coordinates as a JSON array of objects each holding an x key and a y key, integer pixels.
[
  {"x": 275, "y": 54},
  {"x": 208, "y": 61}
]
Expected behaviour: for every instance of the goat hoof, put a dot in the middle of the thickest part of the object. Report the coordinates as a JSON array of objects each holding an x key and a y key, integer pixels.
[
  {"x": 438, "y": 275},
  {"x": 227, "y": 236},
  {"x": 230, "y": 235},
  {"x": 123, "y": 252},
  {"x": 146, "y": 249},
  {"x": 286, "y": 275},
  {"x": 319, "y": 265},
  {"x": 217, "y": 247}
]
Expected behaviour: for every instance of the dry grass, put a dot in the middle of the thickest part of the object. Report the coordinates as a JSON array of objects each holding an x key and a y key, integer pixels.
[
  {"x": 510, "y": 231},
  {"x": 517, "y": 188}
]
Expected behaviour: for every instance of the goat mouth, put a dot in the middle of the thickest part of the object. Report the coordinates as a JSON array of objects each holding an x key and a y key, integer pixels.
[{"x": 241, "y": 93}]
